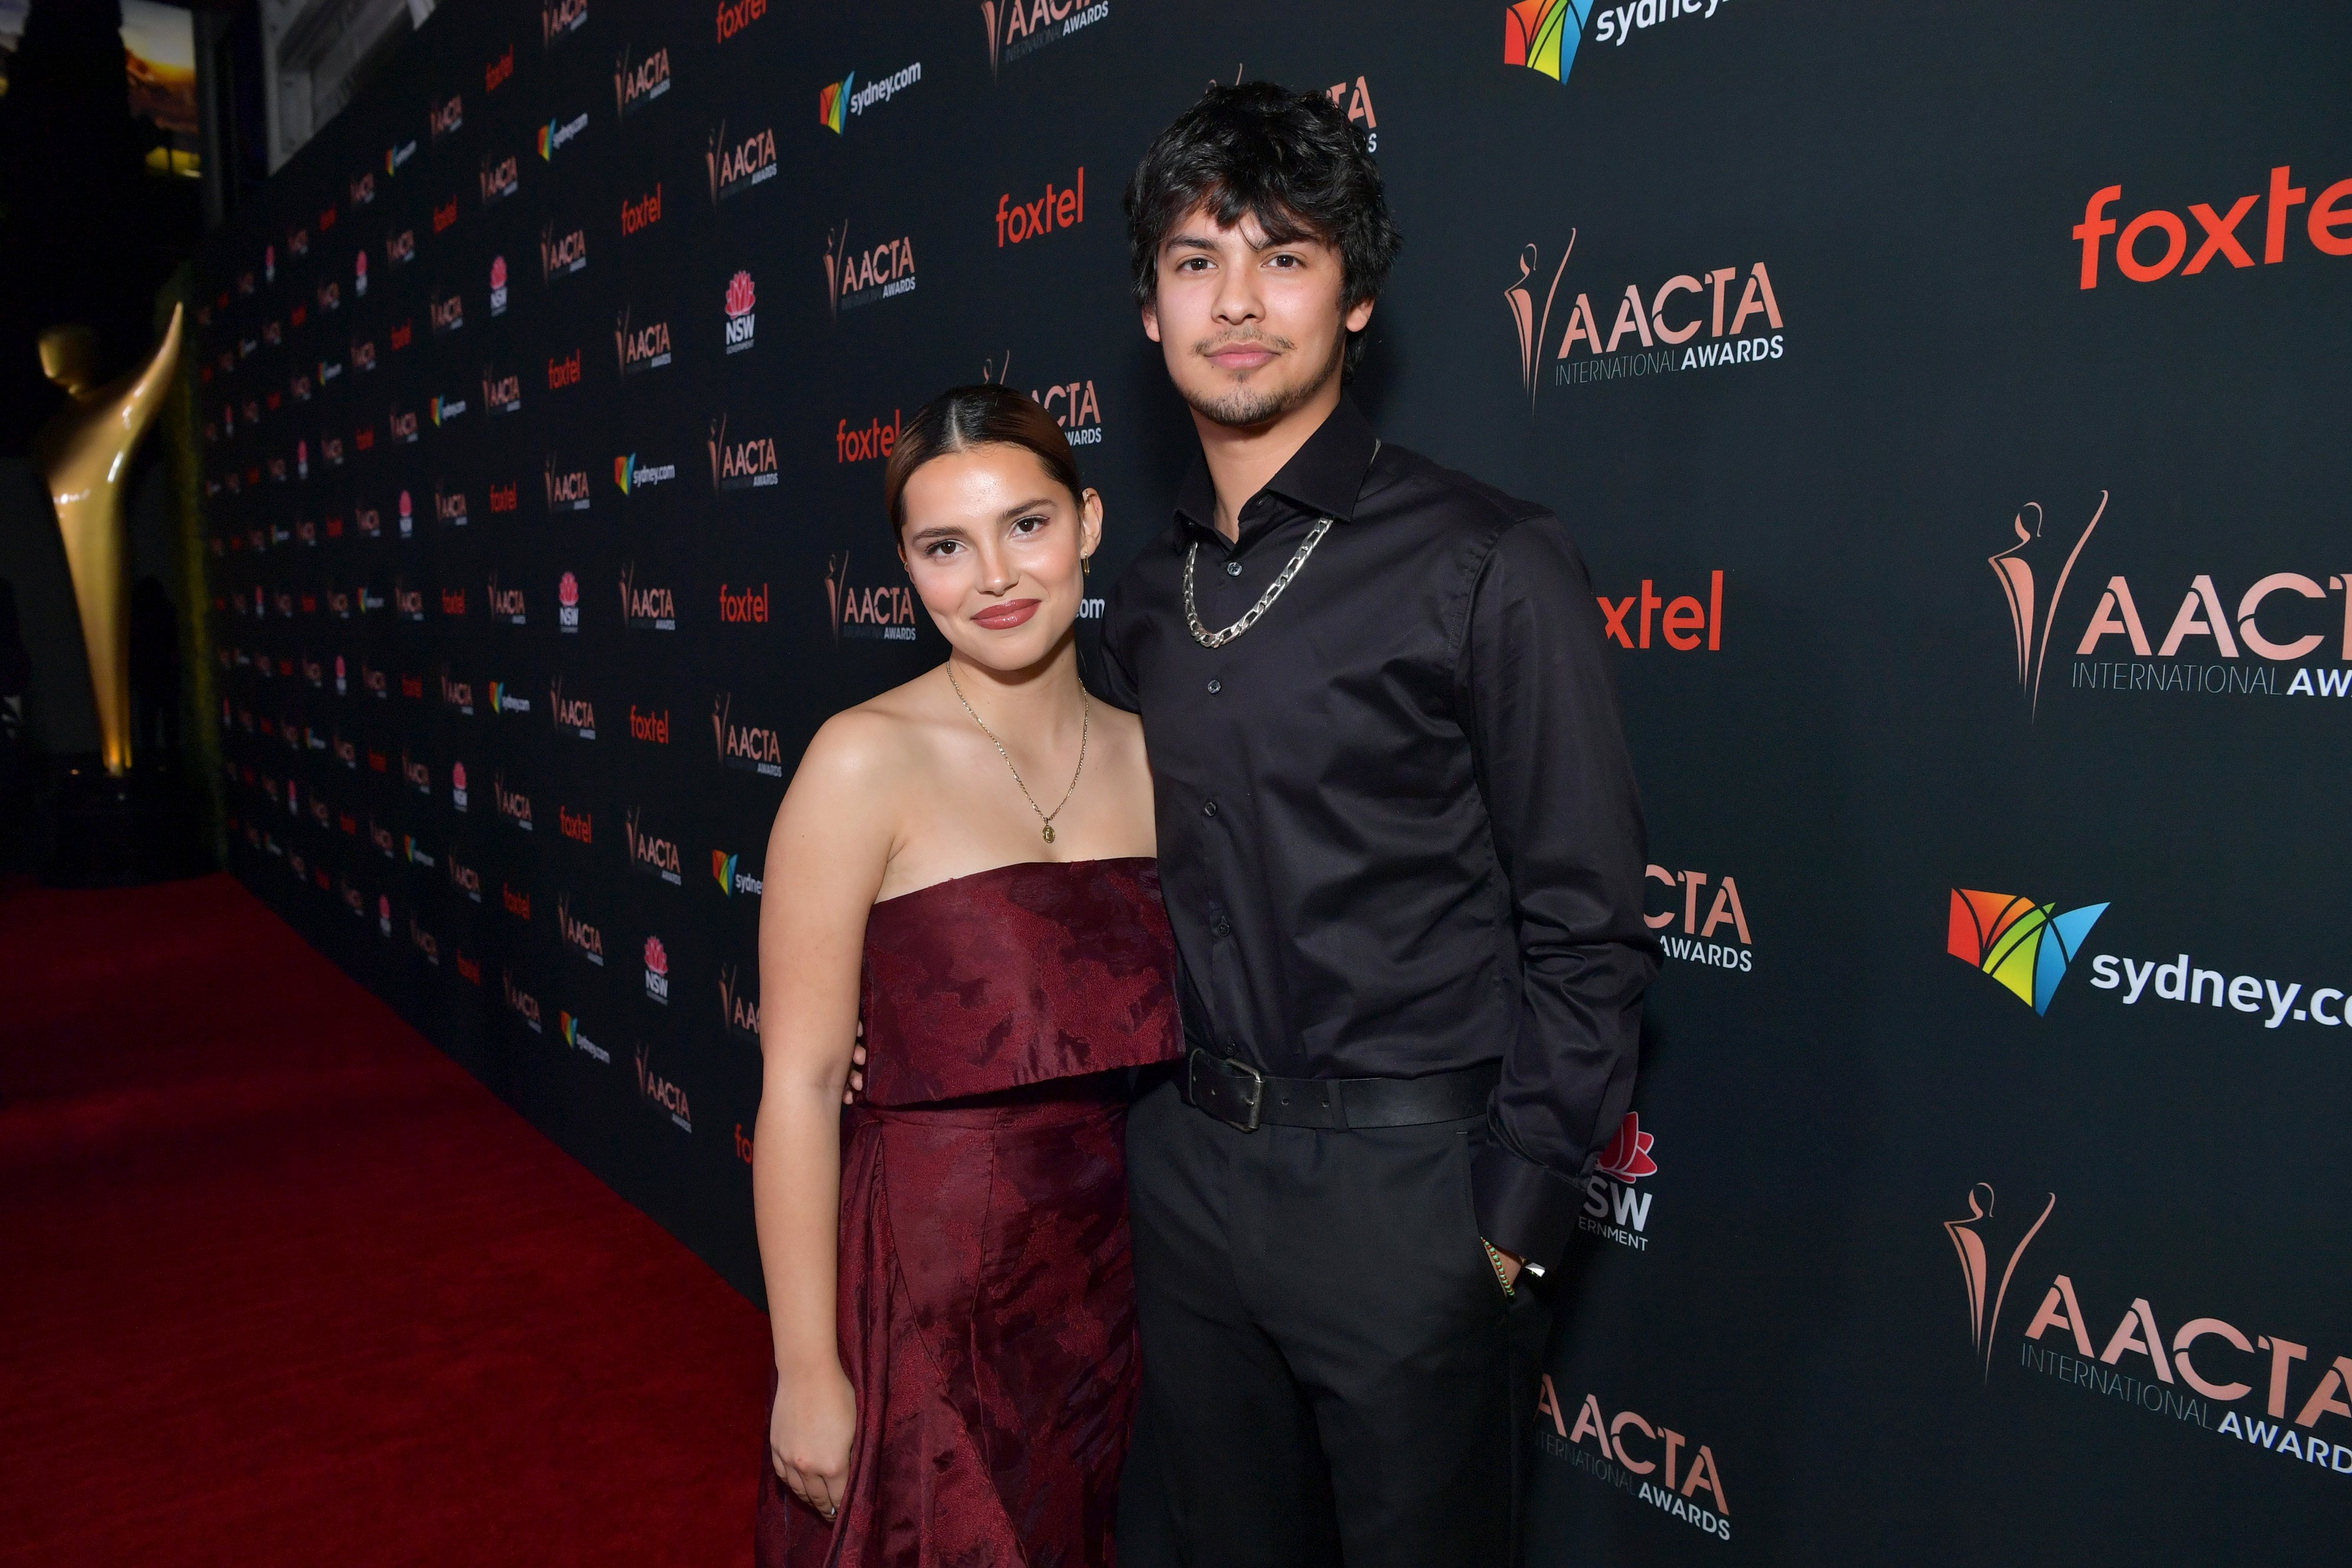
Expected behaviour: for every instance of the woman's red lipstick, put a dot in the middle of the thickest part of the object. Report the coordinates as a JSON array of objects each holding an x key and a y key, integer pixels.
[{"x": 1006, "y": 616}]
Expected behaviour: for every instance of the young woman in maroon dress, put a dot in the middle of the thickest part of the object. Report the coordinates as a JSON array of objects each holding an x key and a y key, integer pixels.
[{"x": 965, "y": 866}]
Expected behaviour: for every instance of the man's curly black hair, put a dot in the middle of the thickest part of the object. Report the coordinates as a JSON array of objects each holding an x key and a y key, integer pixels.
[{"x": 1292, "y": 160}]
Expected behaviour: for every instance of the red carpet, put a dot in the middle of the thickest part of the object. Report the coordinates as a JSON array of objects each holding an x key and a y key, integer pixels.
[{"x": 280, "y": 1283}]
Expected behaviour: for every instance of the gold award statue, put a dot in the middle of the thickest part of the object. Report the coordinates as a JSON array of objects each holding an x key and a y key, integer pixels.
[{"x": 85, "y": 454}]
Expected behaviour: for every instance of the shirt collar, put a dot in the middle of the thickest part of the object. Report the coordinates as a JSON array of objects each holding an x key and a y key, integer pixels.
[{"x": 1325, "y": 476}]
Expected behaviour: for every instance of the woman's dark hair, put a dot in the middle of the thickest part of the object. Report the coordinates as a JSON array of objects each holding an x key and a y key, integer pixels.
[
  {"x": 961, "y": 418},
  {"x": 1292, "y": 160}
]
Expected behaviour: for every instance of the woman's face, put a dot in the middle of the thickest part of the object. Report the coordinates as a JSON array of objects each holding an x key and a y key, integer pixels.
[{"x": 994, "y": 544}]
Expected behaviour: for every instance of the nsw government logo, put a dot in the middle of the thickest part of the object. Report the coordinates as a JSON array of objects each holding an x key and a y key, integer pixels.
[
  {"x": 2026, "y": 947},
  {"x": 741, "y": 296},
  {"x": 657, "y": 971},
  {"x": 1615, "y": 1209}
]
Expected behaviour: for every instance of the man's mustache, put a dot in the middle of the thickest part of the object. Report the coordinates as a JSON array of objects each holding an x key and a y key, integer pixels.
[{"x": 1207, "y": 346}]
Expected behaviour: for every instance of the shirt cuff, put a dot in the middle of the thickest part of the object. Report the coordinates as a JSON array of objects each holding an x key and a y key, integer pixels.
[{"x": 1522, "y": 1207}]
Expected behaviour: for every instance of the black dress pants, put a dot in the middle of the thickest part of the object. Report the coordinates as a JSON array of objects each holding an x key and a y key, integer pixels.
[{"x": 1332, "y": 1374}]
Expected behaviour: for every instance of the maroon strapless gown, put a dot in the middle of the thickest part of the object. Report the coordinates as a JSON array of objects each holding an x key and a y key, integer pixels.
[{"x": 987, "y": 1300}]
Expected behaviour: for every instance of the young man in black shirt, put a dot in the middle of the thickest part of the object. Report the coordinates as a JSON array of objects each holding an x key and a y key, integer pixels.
[{"x": 1403, "y": 854}]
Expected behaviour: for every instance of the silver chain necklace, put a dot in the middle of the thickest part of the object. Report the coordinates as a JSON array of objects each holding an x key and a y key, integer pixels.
[
  {"x": 1208, "y": 639},
  {"x": 1085, "y": 713}
]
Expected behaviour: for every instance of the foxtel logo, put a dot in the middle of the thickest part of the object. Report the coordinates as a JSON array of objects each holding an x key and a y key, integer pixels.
[{"x": 2325, "y": 226}]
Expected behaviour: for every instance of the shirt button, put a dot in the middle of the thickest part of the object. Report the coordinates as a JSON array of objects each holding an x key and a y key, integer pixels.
[
  {"x": 1216, "y": 686},
  {"x": 1210, "y": 809},
  {"x": 1220, "y": 926},
  {"x": 1233, "y": 568}
]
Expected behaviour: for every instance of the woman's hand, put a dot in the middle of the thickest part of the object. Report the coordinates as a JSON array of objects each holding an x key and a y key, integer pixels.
[{"x": 810, "y": 1431}]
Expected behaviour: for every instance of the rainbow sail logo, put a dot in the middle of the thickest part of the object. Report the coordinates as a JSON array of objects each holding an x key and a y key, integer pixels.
[
  {"x": 722, "y": 866},
  {"x": 1536, "y": 34},
  {"x": 832, "y": 102},
  {"x": 2023, "y": 945}
]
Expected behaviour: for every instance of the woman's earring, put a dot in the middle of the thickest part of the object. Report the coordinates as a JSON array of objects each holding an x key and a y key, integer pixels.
[{"x": 1085, "y": 566}]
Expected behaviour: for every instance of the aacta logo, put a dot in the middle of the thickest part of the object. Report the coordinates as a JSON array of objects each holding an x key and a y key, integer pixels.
[
  {"x": 1074, "y": 406},
  {"x": 1655, "y": 1463},
  {"x": 1696, "y": 943},
  {"x": 567, "y": 602},
  {"x": 646, "y": 608},
  {"x": 1687, "y": 626},
  {"x": 854, "y": 277},
  {"x": 567, "y": 488},
  {"x": 1019, "y": 28},
  {"x": 575, "y": 717},
  {"x": 465, "y": 878},
  {"x": 741, "y": 320},
  {"x": 657, "y": 971},
  {"x": 579, "y": 935},
  {"x": 727, "y": 870},
  {"x": 660, "y": 1091},
  {"x": 560, "y": 257},
  {"x": 2325, "y": 226},
  {"x": 867, "y": 445},
  {"x": 2204, "y": 649},
  {"x": 750, "y": 748},
  {"x": 743, "y": 606},
  {"x": 507, "y": 604},
  {"x": 637, "y": 84},
  {"x": 1661, "y": 325},
  {"x": 501, "y": 393},
  {"x": 645, "y": 347},
  {"x": 559, "y": 19},
  {"x": 742, "y": 1011},
  {"x": 520, "y": 1002},
  {"x": 515, "y": 807},
  {"x": 878, "y": 611},
  {"x": 747, "y": 464},
  {"x": 459, "y": 694},
  {"x": 651, "y": 856},
  {"x": 1062, "y": 210},
  {"x": 448, "y": 315},
  {"x": 2024, "y": 945},
  {"x": 1613, "y": 1209},
  {"x": 447, "y": 117},
  {"x": 501, "y": 177},
  {"x": 642, "y": 214},
  {"x": 734, "y": 17},
  {"x": 2203, "y": 1363},
  {"x": 735, "y": 167}
]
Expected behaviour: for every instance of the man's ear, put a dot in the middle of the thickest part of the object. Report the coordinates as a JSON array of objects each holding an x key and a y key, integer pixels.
[
  {"x": 1360, "y": 314},
  {"x": 1151, "y": 313}
]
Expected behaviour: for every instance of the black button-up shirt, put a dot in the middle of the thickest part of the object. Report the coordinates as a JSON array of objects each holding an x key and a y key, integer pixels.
[{"x": 1398, "y": 829}]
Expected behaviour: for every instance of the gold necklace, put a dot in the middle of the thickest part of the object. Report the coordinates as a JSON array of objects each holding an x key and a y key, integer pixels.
[{"x": 1085, "y": 715}]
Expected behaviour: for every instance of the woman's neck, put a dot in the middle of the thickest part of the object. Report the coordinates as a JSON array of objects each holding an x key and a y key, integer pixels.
[{"x": 1036, "y": 704}]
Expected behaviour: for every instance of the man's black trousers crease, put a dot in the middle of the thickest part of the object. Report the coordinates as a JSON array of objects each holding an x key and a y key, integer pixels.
[{"x": 1332, "y": 1374}]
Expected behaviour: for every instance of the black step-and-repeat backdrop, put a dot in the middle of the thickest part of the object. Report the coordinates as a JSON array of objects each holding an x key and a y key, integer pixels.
[{"x": 1951, "y": 401}]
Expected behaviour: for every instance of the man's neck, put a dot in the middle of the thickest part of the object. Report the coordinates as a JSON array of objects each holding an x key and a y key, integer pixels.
[{"x": 1242, "y": 459}]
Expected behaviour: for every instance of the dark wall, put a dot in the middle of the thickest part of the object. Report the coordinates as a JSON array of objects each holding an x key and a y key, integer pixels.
[{"x": 1983, "y": 623}]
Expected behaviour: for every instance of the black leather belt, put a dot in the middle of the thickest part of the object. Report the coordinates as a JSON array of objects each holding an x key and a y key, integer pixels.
[{"x": 1241, "y": 1096}]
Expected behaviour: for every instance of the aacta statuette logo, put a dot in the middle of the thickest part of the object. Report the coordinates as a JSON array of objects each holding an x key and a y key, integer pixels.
[
  {"x": 1662, "y": 339},
  {"x": 1661, "y": 1467},
  {"x": 2190, "y": 1377},
  {"x": 2025, "y": 945},
  {"x": 1976, "y": 1267},
  {"x": 746, "y": 464},
  {"x": 855, "y": 277},
  {"x": 1709, "y": 941},
  {"x": 878, "y": 611},
  {"x": 1019, "y": 28},
  {"x": 752, "y": 747},
  {"x": 661, "y": 1092},
  {"x": 2203, "y": 651}
]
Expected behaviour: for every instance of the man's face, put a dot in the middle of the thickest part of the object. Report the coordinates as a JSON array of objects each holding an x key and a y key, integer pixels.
[{"x": 1250, "y": 329}]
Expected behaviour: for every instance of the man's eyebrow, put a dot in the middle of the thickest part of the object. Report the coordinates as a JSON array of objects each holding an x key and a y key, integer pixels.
[{"x": 1188, "y": 242}]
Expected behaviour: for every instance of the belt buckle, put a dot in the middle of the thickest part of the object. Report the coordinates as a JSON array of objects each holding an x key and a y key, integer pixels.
[{"x": 1256, "y": 1089}]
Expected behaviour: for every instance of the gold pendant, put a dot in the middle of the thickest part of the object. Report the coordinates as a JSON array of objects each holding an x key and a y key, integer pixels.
[{"x": 1049, "y": 832}]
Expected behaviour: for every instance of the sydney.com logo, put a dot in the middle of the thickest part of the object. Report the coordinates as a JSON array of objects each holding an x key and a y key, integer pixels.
[
  {"x": 2028, "y": 948},
  {"x": 1542, "y": 35}
]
